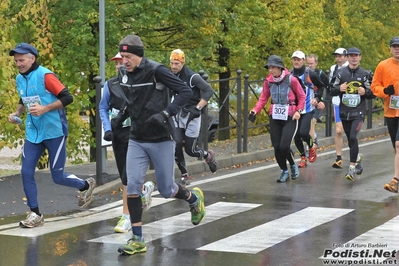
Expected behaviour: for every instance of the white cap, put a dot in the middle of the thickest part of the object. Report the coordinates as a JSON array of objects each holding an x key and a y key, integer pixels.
[
  {"x": 298, "y": 54},
  {"x": 341, "y": 51},
  {"x": 116, "y": 57}
]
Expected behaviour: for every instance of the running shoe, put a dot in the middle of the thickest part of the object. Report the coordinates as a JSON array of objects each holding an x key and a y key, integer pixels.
[
  {"x": 134, "y": 245},
  {"x": 294, "y": 171},
  {"x": 358, "y": 166},
  {"x": 350, "y": 175},
  {"x": 87, "y": 195},
  {"x": 210, "y": 160},
  {"x": 146, "y": 198},
  {"x": 185, "y": 180},
  {"x": 283, "y": 177},
  {"x": 123, "y": 225},
  {"x": 198, "y": 211},
  {"x": 312, "y": 154},
  {"x": 32, "y": 220},
  {"x": 303, "y": 163},
  {"x": 392, "y": 186},
  {"x": 337, "y": 164}
]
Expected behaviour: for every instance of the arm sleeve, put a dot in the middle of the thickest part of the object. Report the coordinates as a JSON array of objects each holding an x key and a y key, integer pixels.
[
  {"x": 335, "y": 89},
  {"x": 54, "y": 85},
  {"x": 315, "y": 78},
  {"x": 182, "y": 92},
  {"x": 206, "y": 89},
  {"x": 104, "y": 108},
  {"x": 377, "y": 86},
  {"x": 264, "y": 97}
]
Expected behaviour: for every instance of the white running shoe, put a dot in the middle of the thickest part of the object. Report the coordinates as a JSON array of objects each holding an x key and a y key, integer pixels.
[
  {"x": 32, "y": 220},
  {"x": 87, "y": 195},
  {"x": 123, "y": 225},
  {"x": 146, "y": 199}
]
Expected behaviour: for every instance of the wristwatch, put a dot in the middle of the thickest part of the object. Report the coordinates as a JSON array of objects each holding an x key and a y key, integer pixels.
[
  {"x": 199, "y": 107},
  {"x": 299, "y": 111}
]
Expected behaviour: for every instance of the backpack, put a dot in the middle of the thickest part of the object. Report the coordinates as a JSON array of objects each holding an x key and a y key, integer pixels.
[{"x": 308, "y": 81}]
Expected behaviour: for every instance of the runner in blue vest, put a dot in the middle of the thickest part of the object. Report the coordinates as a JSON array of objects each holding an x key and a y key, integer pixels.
[{"x": 43, "y": 98}]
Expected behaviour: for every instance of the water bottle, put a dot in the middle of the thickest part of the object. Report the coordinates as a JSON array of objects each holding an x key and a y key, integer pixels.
[{"x": 17, "y": 119}]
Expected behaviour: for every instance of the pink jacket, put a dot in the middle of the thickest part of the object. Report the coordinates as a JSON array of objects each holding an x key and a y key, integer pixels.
[{"x": 296, "y": 94}]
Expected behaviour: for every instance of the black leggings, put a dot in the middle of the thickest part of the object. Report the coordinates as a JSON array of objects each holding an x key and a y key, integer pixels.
[
  {"x": 393, "y": 129},
  {"x": 120, "y": 152},
  {"x": 303, "y": 133},
  {"x": 281, "y": 134},
  {"x": 190, "y": 147},
  {"x": 352, "y": 129}
]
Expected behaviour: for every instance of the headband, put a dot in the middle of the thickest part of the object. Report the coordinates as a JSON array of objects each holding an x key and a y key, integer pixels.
[{"x": 137, "y": 50}]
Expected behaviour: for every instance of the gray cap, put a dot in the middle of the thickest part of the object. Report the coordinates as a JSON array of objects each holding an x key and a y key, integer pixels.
[
  {"x": 274, "y": 60},
  {"x": 354, "y": 50},
  {"x": 394, "y": 40}
]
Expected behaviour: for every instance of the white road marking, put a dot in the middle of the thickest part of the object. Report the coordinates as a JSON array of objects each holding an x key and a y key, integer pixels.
[
  {"x": 180, "y": 223},
  {"x": 271, "y": 233}
]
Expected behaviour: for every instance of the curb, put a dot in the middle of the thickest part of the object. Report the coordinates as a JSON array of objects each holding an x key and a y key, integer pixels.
[{"x": 199, "y": 166}]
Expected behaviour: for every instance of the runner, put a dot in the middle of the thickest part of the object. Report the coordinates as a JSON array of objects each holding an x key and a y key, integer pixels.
[
  {"x": 385, "y": 86},
  {"x": 313, "y": 87},
  {"x": 287, "y": 101},
  {"x": 352, "y": 85},
  {"x": 341, "y": 60}
]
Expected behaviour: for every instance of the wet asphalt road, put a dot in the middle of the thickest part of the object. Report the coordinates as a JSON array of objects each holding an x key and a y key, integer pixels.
[{"x": 251, "y": 220}]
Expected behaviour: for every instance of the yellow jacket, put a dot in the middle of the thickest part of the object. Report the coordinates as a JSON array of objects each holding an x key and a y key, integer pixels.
[{"x": 386, "y": 73}]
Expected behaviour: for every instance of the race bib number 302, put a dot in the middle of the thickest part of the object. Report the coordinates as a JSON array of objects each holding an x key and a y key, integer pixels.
[{"x": 280, "y": 112}]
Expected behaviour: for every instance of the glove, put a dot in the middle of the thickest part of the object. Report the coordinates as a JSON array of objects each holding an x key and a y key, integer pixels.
[
  {"x": 252, "y": 116},
  {"x": 158, "y": 119},
  {"x": 108, "y": 136},
  {"x": 193, "y": 113},
  {"x": 389, "y": 90},
  {"x": 117, "y": 121}
]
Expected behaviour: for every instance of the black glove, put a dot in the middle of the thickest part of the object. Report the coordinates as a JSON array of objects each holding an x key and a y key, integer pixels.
[
  {"x": 108, "y": 136},
  {"x": 389, "y": 90},
  {"x": 193, "y": 113},
  {"x": 251, "y": 116},
  {"x": 157, "y": 119}
]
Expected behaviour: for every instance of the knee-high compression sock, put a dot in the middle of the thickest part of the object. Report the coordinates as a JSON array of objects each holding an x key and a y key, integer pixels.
[{"x": 136, "y": 210}]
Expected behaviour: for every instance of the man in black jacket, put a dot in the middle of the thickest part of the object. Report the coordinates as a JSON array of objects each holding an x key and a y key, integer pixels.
[
  {"x": 145, "y": 84},
  {"x": 352, "y": 85}
]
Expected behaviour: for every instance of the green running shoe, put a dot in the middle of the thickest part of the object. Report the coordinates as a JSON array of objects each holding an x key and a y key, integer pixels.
[
  {"x": 198, "y": 211},
  {"x": 134, "y": 245}
]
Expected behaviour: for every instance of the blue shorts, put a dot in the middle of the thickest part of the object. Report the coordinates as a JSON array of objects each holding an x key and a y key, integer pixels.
[{"x": 336, "y": 114}]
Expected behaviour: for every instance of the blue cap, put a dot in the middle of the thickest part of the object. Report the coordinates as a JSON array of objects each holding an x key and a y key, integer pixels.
[
  {"x": 24, "y": 48},
  {"x": 353, "y": 50}
]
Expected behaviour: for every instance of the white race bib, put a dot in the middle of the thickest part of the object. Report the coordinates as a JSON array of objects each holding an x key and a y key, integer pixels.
[
  {"x": 394, "y": 102},
  {"x": 30, "y": 100},
  {"x": 351, "y": 100},
  {"x": 280, "y": 112}
]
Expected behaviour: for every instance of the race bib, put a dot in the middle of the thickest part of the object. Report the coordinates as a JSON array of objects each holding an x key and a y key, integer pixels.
[
  {"x": 394, "y": 102},
  {"x": 351, "y": 100},
  {"x": 114, "y": 112},
  {"x": 280, "y": 112},
  {"x": 31, "y": 100}
]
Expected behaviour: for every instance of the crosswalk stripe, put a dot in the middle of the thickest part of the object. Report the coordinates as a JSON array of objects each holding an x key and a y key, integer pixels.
[
  {"x": 268, "y": 234},
  {"x": 383, "y": 237},
  {"x": 70, "y": 222},
  {"x": 180, "y": 223}
]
